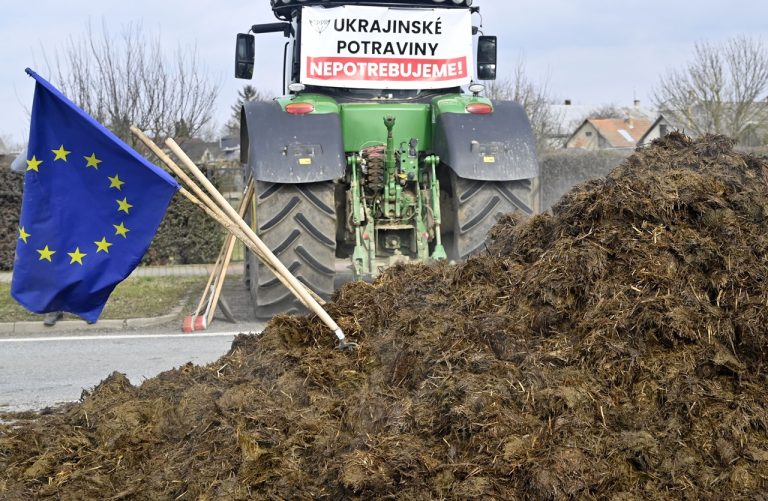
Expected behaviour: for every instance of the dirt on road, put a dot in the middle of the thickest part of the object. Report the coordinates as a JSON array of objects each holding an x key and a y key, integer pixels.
[{"x": 613, "y": 349}]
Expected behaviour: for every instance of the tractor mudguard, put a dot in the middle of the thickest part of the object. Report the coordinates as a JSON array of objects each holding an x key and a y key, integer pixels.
[
  {"x": 494, "y": 147},
  {"x": 283, "y": 148}
]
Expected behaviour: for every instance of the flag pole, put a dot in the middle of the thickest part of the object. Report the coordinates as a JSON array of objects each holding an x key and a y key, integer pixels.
[
  {"x": 302, "y": 293},
  {"x": 213, "y": 211}
]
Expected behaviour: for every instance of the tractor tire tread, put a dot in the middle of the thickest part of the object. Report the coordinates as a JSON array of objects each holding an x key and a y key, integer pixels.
[
  {"x": 477, "y": 206},
  {"x": 298, "y": 223}
]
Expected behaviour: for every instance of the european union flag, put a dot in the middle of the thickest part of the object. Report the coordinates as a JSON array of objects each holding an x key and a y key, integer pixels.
[{"x": 90, "y": 209}]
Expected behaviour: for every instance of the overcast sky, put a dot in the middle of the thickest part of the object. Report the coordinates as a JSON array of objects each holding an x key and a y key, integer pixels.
[{"x": 593, "y": 52}]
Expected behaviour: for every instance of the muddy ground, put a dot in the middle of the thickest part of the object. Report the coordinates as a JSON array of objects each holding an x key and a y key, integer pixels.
[{"x": 614, "y": 349}]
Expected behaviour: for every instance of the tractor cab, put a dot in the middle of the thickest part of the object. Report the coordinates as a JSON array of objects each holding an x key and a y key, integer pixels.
[{"x": 353, "y": 43}]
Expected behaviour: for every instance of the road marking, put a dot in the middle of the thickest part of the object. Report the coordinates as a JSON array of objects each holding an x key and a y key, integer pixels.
[{"x": 124, "y": 336}]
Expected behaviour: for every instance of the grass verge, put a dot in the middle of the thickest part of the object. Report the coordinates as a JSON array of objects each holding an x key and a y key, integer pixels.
[{"x": 134, "y": 298}]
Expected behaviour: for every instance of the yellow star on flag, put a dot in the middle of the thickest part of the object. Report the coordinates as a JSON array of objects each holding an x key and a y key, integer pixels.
[
  {"x": 77, "y": 256},
  {"x": 121, "y": 230},
  {"x": 114, "y": 182},
  {"x": 123, "y": 205},
  {"x": 61, "y": 153},
  {"x": 92, "y": 161},
  {"x": 102, "y": 245},
  {"x": 23, "y": 234},
  {"x": 33, "y": 164},
  {"x": 46, "y": 253}
]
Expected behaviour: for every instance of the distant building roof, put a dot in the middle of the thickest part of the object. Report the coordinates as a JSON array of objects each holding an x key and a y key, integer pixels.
[
  {"x": 229, "y": 143},
  {"x": 570, "y": 117},
  {"x": 619, "y": 133},
  {"x": 622, "y": 132},
  {"x": 201, "y": 151}
]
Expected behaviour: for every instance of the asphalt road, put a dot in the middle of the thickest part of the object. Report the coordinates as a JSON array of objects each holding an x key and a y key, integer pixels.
[
  {"x": 49, "y": 366},
  {"x": 38, "y": 371}
]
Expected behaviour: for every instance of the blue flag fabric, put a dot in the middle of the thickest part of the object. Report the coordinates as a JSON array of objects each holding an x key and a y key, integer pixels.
[{"x": 90, "y": 208}]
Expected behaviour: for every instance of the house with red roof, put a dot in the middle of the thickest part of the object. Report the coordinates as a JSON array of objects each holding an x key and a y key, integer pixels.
[{"x": 609, "y": 133}]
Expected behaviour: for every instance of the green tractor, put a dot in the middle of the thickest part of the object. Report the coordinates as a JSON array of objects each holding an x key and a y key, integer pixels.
[{"x": 375, "y": 153}]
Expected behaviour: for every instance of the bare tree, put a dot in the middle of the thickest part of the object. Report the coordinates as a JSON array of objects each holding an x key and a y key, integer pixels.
[
  {"x": 128, "y": 80},
  {"x": 722, "y": 90},
  {"x": 533, "y": 97},
  {"x": 606, "y": 111}
]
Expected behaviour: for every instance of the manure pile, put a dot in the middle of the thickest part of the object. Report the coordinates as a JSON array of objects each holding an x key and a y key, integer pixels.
[{"x": 615, "y": 349}]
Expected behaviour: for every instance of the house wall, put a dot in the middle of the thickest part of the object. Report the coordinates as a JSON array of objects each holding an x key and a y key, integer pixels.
[
  {"x": 754, "y": 137},
  {"x": 586, "y": 138},
  {"x": 656, "y": 132}
]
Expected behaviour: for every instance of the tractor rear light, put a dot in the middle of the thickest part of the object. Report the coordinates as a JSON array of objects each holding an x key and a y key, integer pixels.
[
  {"x": 479, "y": 109},
  {"x": 299, "y": 108}
]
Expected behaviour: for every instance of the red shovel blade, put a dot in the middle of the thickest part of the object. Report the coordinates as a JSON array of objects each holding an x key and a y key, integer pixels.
[
  {"x": 188, "y": 324},
  {"x": 200, "y": 324}
]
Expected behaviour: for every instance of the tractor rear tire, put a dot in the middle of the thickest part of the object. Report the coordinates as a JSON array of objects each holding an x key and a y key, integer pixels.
[
  {"x": 298, "y": 223},
  {"x": 477, "y": 205}
]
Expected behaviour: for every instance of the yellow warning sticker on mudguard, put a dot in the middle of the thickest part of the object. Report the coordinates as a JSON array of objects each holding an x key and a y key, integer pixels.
[
  {"x": 305, "y": 161},
  {"x": 489, "y": 160}
]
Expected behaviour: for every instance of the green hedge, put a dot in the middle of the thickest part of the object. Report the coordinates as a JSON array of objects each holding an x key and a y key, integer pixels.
[
  {"x": 563, "y": 169},
  {"x": 186, "y": 235},
  {"x": 10, "y": 204}
]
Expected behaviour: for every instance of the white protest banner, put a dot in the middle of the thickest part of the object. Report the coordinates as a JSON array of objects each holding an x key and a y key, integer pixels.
[{"x": 386, "y": 48}]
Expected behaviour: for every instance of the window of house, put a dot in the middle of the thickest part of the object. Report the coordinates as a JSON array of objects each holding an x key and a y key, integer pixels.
[
  {"x": 589, "y": 133},
  {"x": 663, "y": 130}
]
